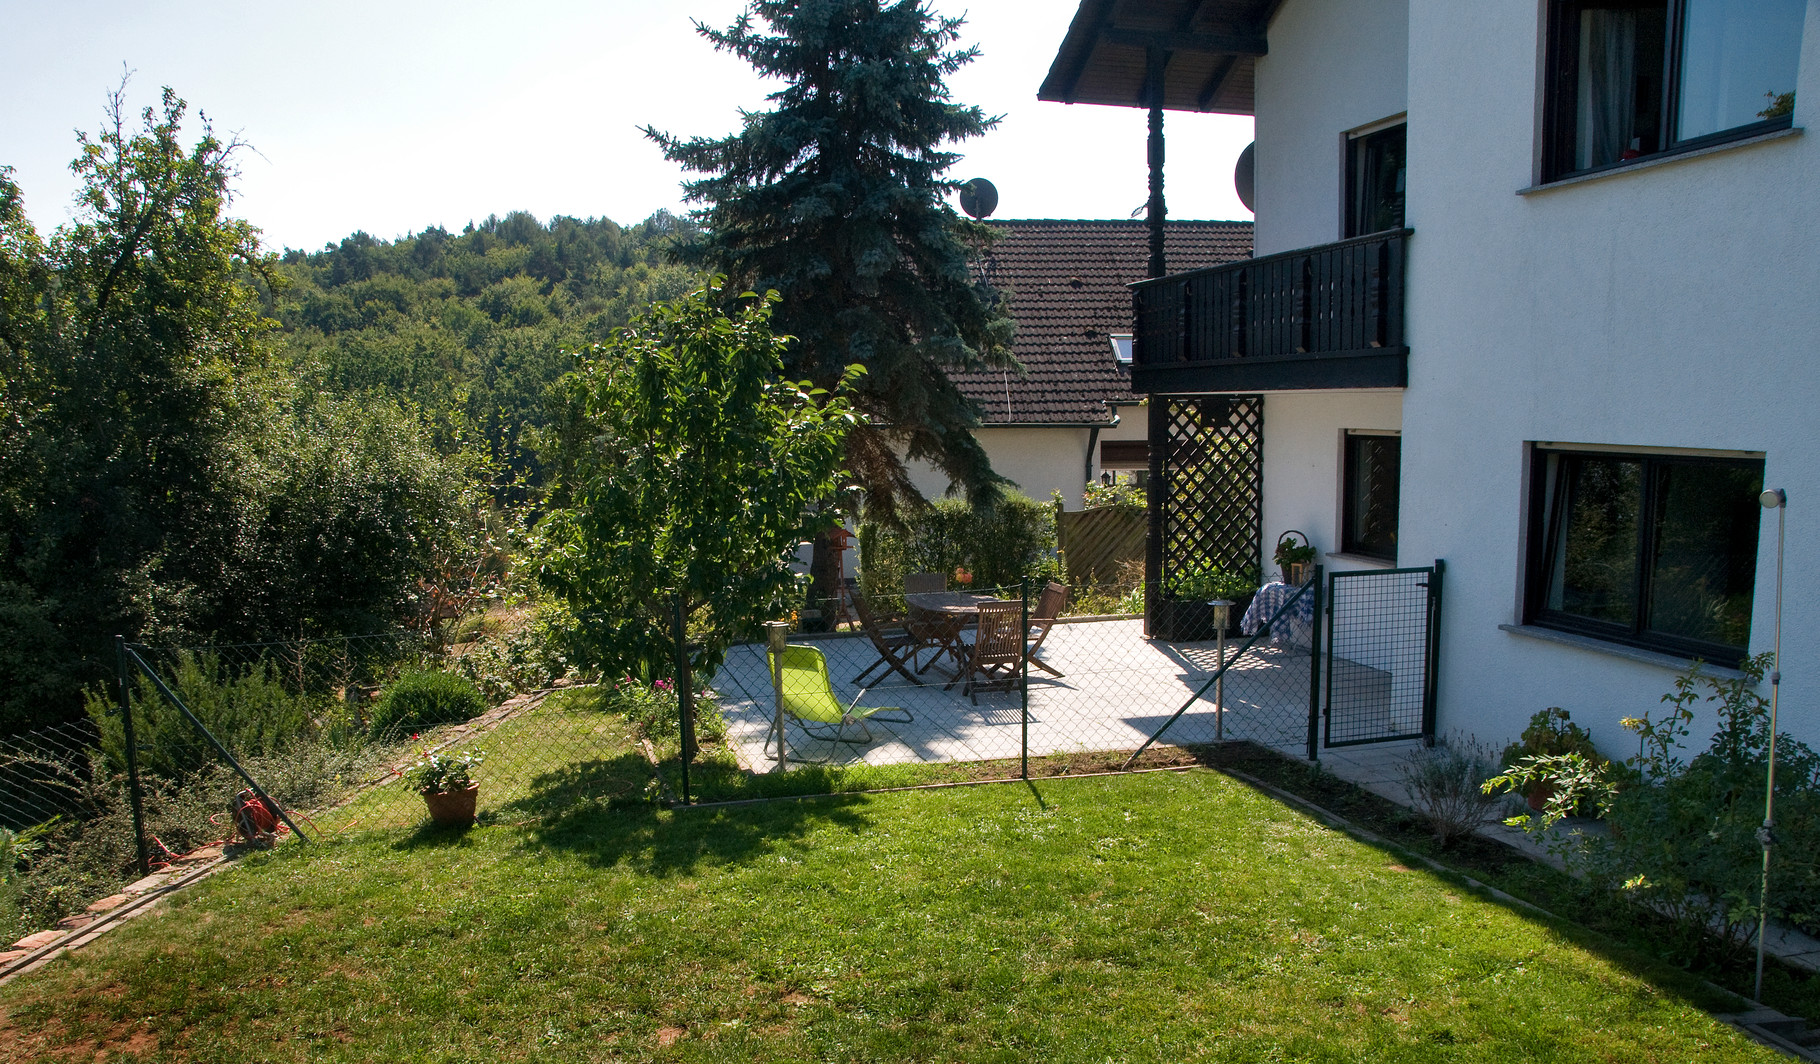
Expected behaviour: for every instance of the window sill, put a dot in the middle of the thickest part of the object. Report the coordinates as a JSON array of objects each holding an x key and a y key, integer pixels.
[
  {"x": 1666, "y": 159},
  {"x": 1362, "y": 560},
  {"x": 1619, "y": 650}
]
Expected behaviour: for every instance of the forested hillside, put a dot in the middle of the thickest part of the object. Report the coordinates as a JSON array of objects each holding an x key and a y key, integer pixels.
[
  {"x": 203, "y": 442},
  {"x": 470, "y": 328}
]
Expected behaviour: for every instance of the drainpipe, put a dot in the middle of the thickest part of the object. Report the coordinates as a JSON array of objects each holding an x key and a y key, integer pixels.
[{"x": 1093, "y": 440}]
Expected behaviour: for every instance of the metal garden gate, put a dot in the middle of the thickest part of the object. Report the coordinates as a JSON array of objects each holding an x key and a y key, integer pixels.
[{"x": 1383, "y": 638}]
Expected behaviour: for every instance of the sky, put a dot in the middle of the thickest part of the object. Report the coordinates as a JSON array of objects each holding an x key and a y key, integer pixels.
[{"x": 394, "y": 116}]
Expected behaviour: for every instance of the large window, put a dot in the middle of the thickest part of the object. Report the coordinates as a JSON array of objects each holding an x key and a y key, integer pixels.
[
  {"x": 1375, "y": 175},
  {"x": 1370, "y": 496},
  {"x": 1633, "y": 78},
  {"x": 1656, "y": 551}
]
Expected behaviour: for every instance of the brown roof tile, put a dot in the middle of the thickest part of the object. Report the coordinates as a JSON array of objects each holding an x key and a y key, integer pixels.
[{"x": 1066, "y": 281}]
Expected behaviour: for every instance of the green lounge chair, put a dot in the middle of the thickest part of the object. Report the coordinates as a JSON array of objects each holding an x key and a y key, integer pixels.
[{"x": 809, "y": 700}]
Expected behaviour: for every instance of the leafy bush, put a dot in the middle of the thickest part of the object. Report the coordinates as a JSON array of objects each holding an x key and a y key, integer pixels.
[
  {"x": 508, "y": 659},
  {"x": 423, "y": 699},
  {"x": 1214, "y": 584},
  {"x": 654, "y": 709},
  {"x": 1121, "y": 493},
  {"x": 1001, "y": 545},
  {"x": 248, "y": 708},
  {"x": 1445, "y": 782},
  {"x": 443, "y": 772},
  {"x": 1683, "y": 833}
]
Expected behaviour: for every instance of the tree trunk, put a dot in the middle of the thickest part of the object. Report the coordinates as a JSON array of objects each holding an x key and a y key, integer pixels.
[{"x": 824, "y": 583}]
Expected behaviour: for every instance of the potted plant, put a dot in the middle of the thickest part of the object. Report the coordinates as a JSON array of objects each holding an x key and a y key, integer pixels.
[
  {"x": 1294, "y": 558},
  {"x": 1551, "y": 733},
  {"x": 447, "y": 784},
  {"x": 1184, "y": 613}
]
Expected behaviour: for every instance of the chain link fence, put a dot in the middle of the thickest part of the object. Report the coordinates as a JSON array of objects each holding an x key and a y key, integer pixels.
[
  {"x": 1001, "y": 676},
  {"x": 237, "y": 744}
]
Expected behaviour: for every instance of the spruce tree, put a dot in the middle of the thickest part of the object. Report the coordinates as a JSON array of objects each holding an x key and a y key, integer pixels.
[{"x": 835, "y": 197}]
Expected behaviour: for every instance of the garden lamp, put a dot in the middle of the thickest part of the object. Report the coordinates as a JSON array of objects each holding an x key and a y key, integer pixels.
[
  {"x": 1222, "y": 615},
  {"x": 1774, "y": 499},
  {"x": 776, "y": 634}
]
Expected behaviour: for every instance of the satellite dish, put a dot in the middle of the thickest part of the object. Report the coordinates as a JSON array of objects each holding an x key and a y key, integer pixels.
[
  {"x": 1245, "y": 176},
  {"x": 978, "y": 198}
]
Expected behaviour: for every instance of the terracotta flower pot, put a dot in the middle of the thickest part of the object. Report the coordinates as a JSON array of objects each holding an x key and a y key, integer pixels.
[
  {"x": 452, "y": 807},
  {"x": 1538, "y": 795}
]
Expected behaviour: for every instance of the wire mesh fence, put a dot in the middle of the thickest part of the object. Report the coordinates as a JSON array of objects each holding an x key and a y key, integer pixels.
[
  {"x": 47, "y": 773},
  {"x": 935, "y": 681},
  {"x": 330, "y": 730},
  {"x": 1383, "y": 645},
  {"x": 954, "y": 674}
]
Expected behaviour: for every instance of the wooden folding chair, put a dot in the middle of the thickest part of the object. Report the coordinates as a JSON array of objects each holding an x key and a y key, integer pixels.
[
  {"x": 996, "y": 658},
  {"x": 932, "y": 632},
  {"x": 1048, "y": 607},
  {"x": 895, "y": 644}
]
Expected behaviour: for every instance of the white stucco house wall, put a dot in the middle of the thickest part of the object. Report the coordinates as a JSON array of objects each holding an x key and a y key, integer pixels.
[{"x": 1605, "y": 221}]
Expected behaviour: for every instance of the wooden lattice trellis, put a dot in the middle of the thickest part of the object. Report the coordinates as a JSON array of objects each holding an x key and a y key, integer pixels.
[{"x": 1212, "y": 490}]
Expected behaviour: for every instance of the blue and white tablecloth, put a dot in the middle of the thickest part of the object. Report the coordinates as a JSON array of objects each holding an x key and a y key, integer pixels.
[{"x": 1295, "y": 629}]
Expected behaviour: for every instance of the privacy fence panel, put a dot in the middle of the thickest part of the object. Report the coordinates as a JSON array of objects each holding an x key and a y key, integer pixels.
[{"x": 1099, "y": 546}]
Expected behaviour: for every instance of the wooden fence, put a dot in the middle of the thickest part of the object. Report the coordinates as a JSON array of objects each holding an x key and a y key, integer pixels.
[{"x": 1097, "y": 543}]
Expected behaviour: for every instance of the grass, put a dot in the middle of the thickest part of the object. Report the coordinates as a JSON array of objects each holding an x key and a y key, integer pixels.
[
  {"x": 1794, "y": 992},
  {"x": 563, "y": 750},
  {"x": 1163, "y": 916}
]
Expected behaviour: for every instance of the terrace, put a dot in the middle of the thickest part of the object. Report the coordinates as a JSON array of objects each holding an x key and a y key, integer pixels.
[{"x": 1116, "y": 689}]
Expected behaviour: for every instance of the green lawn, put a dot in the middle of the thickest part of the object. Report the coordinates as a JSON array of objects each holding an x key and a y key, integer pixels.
[
  {"x": 561, "y": 751},
  {"x": 1163, "y": 917}
]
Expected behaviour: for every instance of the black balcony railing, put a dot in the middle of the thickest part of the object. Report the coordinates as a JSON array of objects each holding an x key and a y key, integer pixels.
[{"x": 1321, "y": 317}]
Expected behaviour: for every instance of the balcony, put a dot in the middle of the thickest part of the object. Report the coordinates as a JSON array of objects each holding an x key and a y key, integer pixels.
[{"x": 1323, "y": 317}]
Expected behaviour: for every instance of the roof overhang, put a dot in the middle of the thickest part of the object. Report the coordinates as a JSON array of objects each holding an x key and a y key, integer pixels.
[{"x": 1206, "y": 49}]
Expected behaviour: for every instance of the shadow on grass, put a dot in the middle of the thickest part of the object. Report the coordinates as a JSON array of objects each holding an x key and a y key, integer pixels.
[
  {"x": 1642, "y": 943},
  {"x": 430, "y": 835},
  {"x": 622, "y": 779},
  {"x": 605, "y": 813}
]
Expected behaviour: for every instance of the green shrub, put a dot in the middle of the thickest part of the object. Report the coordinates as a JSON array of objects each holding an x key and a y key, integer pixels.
[
  {"x": 1683, "y": 832},
  {"x": 1121, "y": 493},
  {"x": 525, "y": 653},
  {"x": 423, "y": 699},
  {"x": 1010, "y": 541},
  {"x": 654, "y": 710},
  {"x": 1444, "y": 784},
  {"x": 247, "y": 708}
]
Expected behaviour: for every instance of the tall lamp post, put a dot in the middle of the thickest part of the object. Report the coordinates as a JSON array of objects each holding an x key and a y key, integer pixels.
[{"x": 1774, "y": 499}]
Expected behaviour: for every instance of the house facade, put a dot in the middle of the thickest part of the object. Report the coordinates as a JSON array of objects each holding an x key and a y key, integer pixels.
[{"x": 1534, "y": 294}]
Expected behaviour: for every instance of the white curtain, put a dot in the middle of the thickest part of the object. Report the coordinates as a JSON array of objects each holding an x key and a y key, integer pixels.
[{"x": 1608, "y": 86}]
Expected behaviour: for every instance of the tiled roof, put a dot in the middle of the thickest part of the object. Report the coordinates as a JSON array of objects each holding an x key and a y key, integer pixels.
[{"x": 1066, "y": 281}]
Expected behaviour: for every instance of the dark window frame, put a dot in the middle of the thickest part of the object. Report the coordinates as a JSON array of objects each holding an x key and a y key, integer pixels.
[
  {"x": 1359, "y": 145},
  {"x": 1561, "y": 94},
  {"x": 1351, "y": 541},
  {"x": 1546, "y": 511}
]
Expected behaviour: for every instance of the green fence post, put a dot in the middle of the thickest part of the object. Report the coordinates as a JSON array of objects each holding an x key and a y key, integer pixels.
[
  {"x": 170, "y": 695},
  {"x": 685, "y": 695},
  {"x": 1023, "y": 684},
  {"x": 132, "y": 756},
  {"x": 1314, "y": 660}
]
